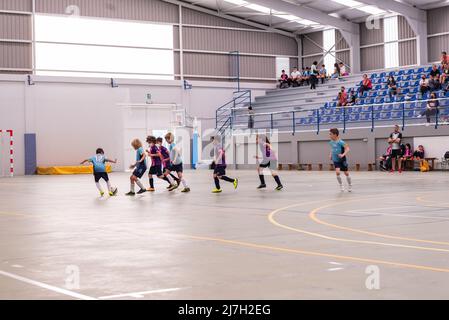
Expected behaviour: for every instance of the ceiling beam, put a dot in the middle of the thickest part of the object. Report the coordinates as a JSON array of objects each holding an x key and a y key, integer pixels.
[
  {"x": 308, "y": 13},
  {"x": 398, "y": 7},
  {"x": 232, "y": 18}
]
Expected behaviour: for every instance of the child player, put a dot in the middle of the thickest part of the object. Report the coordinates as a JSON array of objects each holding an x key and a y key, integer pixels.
[
  {"x": 338, "y": 155},
  {"x": 99, "y": 165},
  {"x": 156, "y": 162},
  {"x": 165, "y": 158},
  {"x": 269, "y": 161},
  {"x": 220, "y": 166},
  {"x": 176, "y": 162},
  {"x": 140, "y": 166}
]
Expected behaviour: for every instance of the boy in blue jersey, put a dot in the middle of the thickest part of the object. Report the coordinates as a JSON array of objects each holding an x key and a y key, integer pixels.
[
  {"x": 339, "y": 150},
  {"x": 176, "y": 162},
  {"x": 140, "y": 166},
  {"x": 99, "y": 165},
  {"x": 220, "y": 166}
]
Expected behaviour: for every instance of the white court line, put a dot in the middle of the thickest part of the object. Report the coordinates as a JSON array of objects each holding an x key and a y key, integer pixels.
[
  {"x": 139, "y": 294},
  {"x": 46, "y": 286},
  {"x": 334, "y": 269},
  {"x": 336, "y": 263},
  {"x": 399, "y": 215}
]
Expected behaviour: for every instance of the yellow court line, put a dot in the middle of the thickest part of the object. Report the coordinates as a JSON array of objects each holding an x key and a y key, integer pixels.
[
  {"x": 319, "y": 235},
  {"x": 318, "y": 254},
  {"x": 2, "y": 213},
  {"x": 421, "y": 199},
  {"x": 314, "y": 212}
]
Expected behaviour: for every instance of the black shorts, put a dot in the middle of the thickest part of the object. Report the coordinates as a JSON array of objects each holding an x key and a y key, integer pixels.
[
  {"x": 396, "y": 153},
  {"x": 156, "y": 170},
  {"x": 272, "y": 164},
  {"x": 101, "y": 175},
  {"x": 342, "y": 165},
  {"x": 175, "y": 168},
  {"x": 139, "y": 171},
  {"x": 220, "y": 170}
]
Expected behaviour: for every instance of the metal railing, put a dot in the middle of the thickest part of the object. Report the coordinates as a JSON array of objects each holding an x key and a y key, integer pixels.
[
  {"x": 226, "y": 114},
  {"x": 294, "y": 121}
]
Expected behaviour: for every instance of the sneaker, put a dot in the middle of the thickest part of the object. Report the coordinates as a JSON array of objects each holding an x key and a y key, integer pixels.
[
  {"x": 132, "y": 194},
  {"x": 342, "y": 188},
  {"x": 141, "y": 191},
  {"x": 101, "y": 193},
  {"x": 349, "y": 188},
  {"x": 217, "y": 191},
  {"x": 262, "y": 186},
  {"x": 185, "y": 190},
  {"x": 391, "y": 171},
  {"x": 151, "y": 189},
  {"x": 400, "y": 171},
  {"x": 419, "y": 116},
  {"x": 236, "y": 183},
  {"x": 113, "y": 192},
  {"x": 173, "y": 187},
  {"x": 427, "y": 124},
  {"x": 279, "y": 188}
]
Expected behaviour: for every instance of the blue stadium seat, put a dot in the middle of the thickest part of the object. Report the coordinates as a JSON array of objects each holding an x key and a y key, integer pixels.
[
  {"x": 329, "y": 112},
  {"x": 378, "y": 87},
  {"x": 365, "y": 116},
  {"x": 407, "y": 78},
  {"x": 335, "y": 119},
  {"x": 405, "y": 91},
  {"x": 428, "y": 69},
  {"x": 400, "y": 78},
  {"x": 369, "y": 101},
  {"x": 372, "y": 94},
  {"x": 399, "y": 99},
  {"x": 373, "y": 75},
  {"x": 397, "y": 106},
  {"x": 385, "y": 116},
  {"x": 391, "y": 73},
  {"x": 396, "y": 115},
  {"x": 354, "y": 117},
  {"x": 410, "y": 72},
  {"x": 379, "y": 100},
  {"x": 447, "y": 94},
  {"x": 404, "y": 84},
  {"x": 382, "y": 74},
  {"x": 416, "y": 77},
  {"x": 310, "y": 120},
  {"x": 377, "y": 108},
  {"x": 325, "y": 119},
  {"x": 415, "y": 83},
  {"x": 409, "y": 114},
  {"x": 333, "y": 104},
  {"x": 420, "y": 70},
  {"x": 387, "y": 107},
  {"x": 356, "y": 109}
]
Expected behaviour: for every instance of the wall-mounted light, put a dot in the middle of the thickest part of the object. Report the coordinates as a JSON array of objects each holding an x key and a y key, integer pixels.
[
  {"x": 113, "y": 83},
  {"x": 187, "y": 86},
  {"x": 30, "y": 80}
]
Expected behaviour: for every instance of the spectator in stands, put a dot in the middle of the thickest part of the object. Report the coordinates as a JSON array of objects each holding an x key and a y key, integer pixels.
[
  {"x": 313, "y": 75},
  {"x": 431, "y": 108},
  {"x": 366, "y": 85},
  {"x": 444, "y": 75},
  {"x": 343, "y": 72},
  {"x": 407, "y": 154},
  {"x": 423, "y": 85},
  {"x": 336, "y": 73},
  {"x": 395, "y": 140},
  {"x": 322, "y": 73},
  {"x": 295, "y": 77},
  {"x": 385, "y": 160},
  {"x": 444, "y": 58},
  {"x": 352, "y": 98},
  {"x": 342, "y": 98},
  {"x": 392, "y": 87},
  {"x": 434, "y": 83},
  {"x": 283, "y": 80},
  {"x": 250, "y": 118},
  {"x": 435, "y": 72},
  {"x": 306, "y": 76}
]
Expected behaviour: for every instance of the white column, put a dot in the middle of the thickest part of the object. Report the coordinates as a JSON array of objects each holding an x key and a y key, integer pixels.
[
  {"x": 353, "y": 41},
  {"x": 420, "y": 29}
]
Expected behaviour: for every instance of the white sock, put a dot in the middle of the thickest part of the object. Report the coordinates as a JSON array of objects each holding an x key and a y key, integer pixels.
[
  {"x": 170, "y": 179},
  {"x": 139, "y": 183},
  {"x": 132, "y": 187},
  {"x": 109, "y": 186},
  {"x": 340, "y": 182},
  {"x": 184, "y": 183},
  {"x": 349, "y": 180},
  {"x": 99, "y": 186}
]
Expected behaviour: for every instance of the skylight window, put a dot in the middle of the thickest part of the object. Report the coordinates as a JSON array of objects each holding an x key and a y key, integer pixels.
[{"x": 360, "y": 6}]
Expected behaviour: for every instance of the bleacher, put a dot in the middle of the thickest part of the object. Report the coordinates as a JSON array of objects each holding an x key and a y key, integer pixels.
[{"x": 301, "y": 108}]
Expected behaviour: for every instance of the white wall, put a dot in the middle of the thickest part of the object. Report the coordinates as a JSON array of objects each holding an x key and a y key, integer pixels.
[
  {"x": 435, "y": 147},
  {"x": 73, "y": 116}
]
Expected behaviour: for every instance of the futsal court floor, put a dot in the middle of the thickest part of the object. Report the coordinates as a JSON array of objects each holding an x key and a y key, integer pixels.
[{"x": 388, "y": 239}]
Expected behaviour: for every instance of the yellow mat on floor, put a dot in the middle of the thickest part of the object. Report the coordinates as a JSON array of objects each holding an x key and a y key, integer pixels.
[{"x": 68, "y": 170}]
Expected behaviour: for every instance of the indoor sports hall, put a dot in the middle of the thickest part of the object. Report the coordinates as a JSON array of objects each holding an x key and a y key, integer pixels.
[{"x": 224, "y": 149}]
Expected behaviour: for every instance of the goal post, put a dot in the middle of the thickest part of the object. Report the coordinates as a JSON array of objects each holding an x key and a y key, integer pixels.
[{"x": 7, "y": 152}]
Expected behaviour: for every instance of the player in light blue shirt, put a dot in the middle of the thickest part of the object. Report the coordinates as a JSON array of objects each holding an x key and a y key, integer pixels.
[
  {"x": 339, "y": 150},
  {"x": 140, "y": 166},
  {"x": 176, "y": 162},
  {"x": 99, "y": 169}
]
